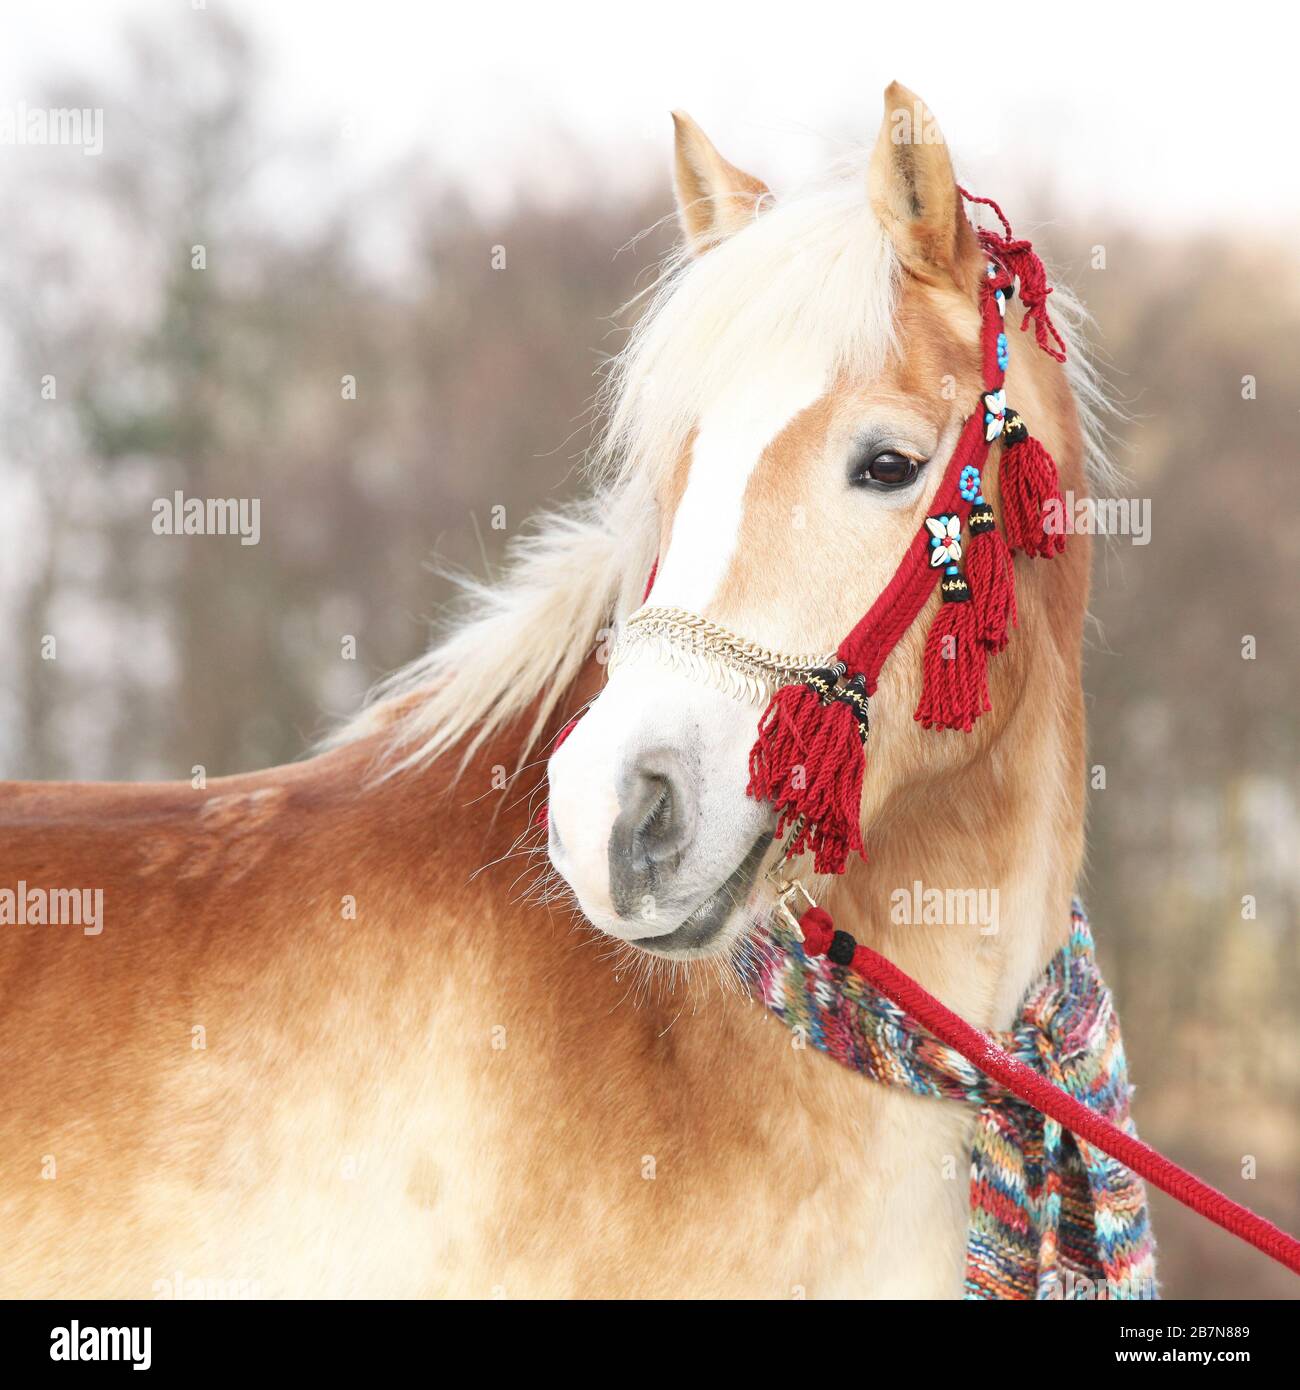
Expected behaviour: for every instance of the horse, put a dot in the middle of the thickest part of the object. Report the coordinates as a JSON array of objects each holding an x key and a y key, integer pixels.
[{"x": 370, "y": 1025}]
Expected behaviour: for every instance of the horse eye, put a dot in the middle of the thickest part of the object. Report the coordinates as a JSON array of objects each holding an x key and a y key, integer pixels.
[{"x": 885, "y": 470}]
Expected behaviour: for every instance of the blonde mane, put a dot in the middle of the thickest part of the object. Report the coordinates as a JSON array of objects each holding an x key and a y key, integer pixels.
[{"x": 816, "y": 268}]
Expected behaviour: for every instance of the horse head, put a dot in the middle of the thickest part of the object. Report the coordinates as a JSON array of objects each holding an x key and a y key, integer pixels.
[{"x": 795, "y": 394}]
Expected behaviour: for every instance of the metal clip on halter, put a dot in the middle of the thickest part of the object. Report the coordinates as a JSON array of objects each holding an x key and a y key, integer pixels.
[{"x": 786, "y": 888}]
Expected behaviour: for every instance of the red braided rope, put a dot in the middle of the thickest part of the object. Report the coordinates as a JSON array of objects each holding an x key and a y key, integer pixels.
[{"x": 1025, "y": 1083}]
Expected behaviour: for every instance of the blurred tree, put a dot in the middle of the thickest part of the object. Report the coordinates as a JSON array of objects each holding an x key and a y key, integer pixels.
[
  {"x": 374, "y": 415},
  {"x": 1199, "y": 744}
]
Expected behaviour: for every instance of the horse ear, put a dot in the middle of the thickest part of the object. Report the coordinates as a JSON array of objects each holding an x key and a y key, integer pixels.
[
  {"x": 714, "y": 198},
  {"x": 914, "y": 192}
]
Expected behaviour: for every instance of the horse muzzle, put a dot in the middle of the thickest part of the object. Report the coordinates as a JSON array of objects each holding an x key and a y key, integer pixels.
[{"x": 650, "y": 824}]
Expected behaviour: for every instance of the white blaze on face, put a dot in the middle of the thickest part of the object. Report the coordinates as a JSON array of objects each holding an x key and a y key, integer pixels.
[
  {"x": 646, "y": 707},
  {"x": 729, "y": 443}
]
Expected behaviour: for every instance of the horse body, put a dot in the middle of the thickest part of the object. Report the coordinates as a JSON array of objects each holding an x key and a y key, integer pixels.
[
  {"x": 321, "y": 1046},
  {"x": 452, "y": 1093},
  {"x": 447, "y": 1095}
]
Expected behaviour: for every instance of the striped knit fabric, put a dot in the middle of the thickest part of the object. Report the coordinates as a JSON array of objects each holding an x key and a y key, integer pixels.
[{"x": 1051, "y": 1217}]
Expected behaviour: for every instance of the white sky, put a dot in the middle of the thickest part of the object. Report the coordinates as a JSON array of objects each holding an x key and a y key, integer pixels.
[{"x": 1161, "y": 113}]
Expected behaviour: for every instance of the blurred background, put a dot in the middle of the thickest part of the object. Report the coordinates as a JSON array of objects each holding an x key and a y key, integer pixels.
[{"x": 451, "y": 210}]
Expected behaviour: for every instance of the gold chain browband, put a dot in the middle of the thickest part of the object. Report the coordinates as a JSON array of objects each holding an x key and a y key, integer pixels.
[{"x": 694, "y": 645}]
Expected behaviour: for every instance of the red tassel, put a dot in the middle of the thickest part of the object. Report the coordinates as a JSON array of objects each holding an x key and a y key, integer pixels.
[
  {"x": 827, "y": 813},
  {"x": 809, "y": 763},
  {"x": 954, "y": 690},
  {"x": 992, "y": 578},
  {"x": 1029, "y": 485},
  {"x": 787, "y": 727}
]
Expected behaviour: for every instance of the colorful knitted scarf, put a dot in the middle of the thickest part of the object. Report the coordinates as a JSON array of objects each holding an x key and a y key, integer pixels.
[{"x": 1051, "y": 1216}]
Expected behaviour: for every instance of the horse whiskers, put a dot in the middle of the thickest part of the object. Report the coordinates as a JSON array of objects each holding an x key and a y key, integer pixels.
[
  {"x": 546, "y": 889},
  {"x": 511, "y": 778},
  {"x": 650, "y": 977},
  {"x": 517, "y": 846},
  {"x": 535, "y": 857}
]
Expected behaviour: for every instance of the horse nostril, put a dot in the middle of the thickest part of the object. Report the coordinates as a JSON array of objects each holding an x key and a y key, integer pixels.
[
  {"x": 655, "y": 836},
  {"x": 656, "y": 820}
]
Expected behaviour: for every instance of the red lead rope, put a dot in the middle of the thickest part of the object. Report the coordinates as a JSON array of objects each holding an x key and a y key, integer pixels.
[{"x": 983, "y": 1053}]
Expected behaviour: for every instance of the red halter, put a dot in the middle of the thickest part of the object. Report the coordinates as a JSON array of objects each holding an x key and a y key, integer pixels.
[{"x": 809, "y": 758}]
